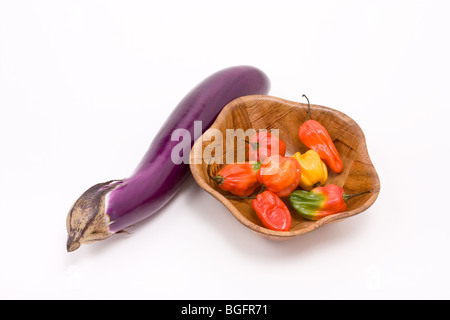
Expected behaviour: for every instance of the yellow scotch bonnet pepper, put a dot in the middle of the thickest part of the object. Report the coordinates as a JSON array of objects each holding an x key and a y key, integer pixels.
[{"x": 314, "y": 170}]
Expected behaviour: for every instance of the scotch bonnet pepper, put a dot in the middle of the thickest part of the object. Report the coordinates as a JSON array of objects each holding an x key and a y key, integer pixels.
[
  {"x": 263, "y": 145},
  {"x": 321, "y": 201},
  {"x": 272, "y": 211},
  {"x": 316, "y": 137},
  {"x": 280, "y": 175},
  {"x": 240, "y": 179},
  {"x": 314, "y": 170}
]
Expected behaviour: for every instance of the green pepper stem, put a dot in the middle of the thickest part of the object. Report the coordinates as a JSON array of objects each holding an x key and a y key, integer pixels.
[
  {"x": 309, "y": 108},
  {"x": 263, "y": 187},
  {"x": 239, "y": 197},
  {"x": 255, "y": 145},
  {"x": 349, "y": 196},
  {"x": 219, "y": 179},
  {"x": 254, "y": 197},
  {"x": 315, "y": 185}
]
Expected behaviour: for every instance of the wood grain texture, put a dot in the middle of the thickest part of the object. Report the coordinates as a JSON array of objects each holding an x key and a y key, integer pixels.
[{"x": 267, "y": 112}]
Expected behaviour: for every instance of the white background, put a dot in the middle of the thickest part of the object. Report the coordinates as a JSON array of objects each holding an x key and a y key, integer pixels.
[{"x": 85, "y": 86}]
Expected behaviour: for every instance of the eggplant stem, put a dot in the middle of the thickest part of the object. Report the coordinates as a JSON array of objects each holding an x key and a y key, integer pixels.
[
  {"x": 349, "y": 196},
  {"x": 309, "y": 108}
]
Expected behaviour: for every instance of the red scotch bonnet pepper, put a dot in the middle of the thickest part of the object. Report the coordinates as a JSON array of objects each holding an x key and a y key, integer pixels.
[
  {"x": 272, "y": 211},
  {"x": 263, "y": 145}
]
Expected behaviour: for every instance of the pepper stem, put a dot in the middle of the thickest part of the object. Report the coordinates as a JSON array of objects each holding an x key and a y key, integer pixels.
[
  {"x": 349, "y": 196},
  {"x": 263, "y": 187},
  {"x": 218, "y": 179},
  {"x": 309, "y": 108},
  {"x": 254, "y": 145},
  {"x": 315, "y": 185},
  {"x": 239, "y": 197}
]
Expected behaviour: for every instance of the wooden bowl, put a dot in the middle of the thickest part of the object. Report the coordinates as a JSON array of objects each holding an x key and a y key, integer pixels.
[{"x": 267, "y": 112}]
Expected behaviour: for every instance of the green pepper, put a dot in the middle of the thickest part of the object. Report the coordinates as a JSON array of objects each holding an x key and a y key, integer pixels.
[{"x": 321, "y": 201}]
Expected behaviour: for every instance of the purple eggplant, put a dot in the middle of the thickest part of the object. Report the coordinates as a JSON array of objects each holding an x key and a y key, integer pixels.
[{"x": 109, "y": 207}]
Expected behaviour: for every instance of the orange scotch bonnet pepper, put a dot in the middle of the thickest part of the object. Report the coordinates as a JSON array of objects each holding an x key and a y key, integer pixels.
[
  {"x": 280, "y": 175},
  {"x": 316, "y": 137},
  {"x": 240, "y": 179}
]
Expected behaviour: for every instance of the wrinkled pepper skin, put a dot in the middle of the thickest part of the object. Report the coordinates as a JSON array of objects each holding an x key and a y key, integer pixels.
[
  {"x": 321, "y": 201},
  {"x": 263, "y": 145},
  {"x": 280, "y": 175},
  {"x": 314, "y": 170},
  {"x": 316, "y": 137},
  {"x": 240, "y": 179},
  {"x": 272, "y": 211}
]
